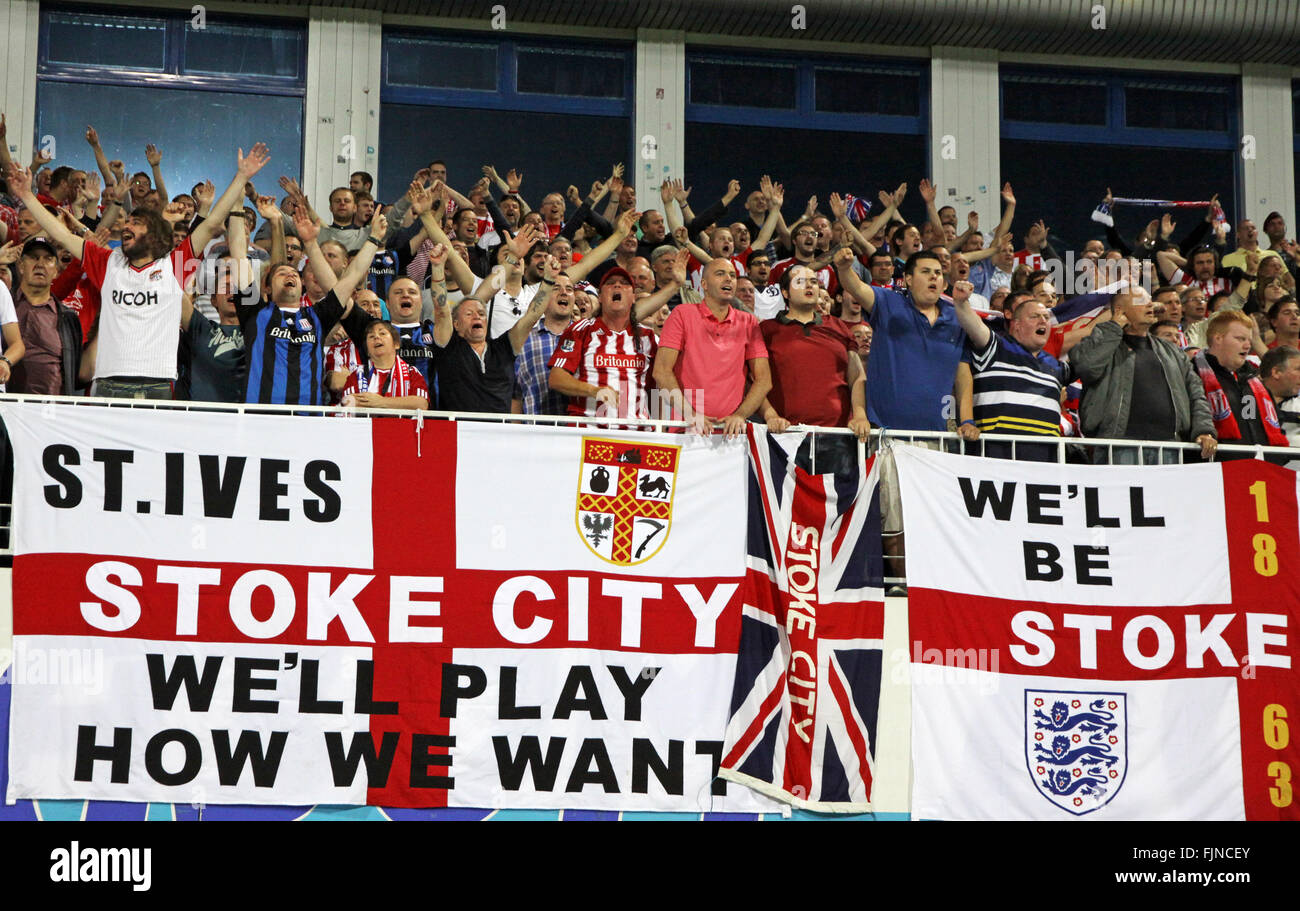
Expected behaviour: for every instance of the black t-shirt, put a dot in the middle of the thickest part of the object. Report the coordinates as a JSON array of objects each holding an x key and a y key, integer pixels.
[
  {"x": 466, "y": 383},
  {"x": 1151, "y": 416}
]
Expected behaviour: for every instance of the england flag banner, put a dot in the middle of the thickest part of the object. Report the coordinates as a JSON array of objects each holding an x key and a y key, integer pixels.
[
  {"x": 807, "y": 695},
  {"x": 303, "y": 610},
  {"x": 1102, "y": 642}
]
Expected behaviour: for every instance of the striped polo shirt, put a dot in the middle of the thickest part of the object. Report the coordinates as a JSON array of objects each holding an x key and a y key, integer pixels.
[{"x": 1015, "y": 391}]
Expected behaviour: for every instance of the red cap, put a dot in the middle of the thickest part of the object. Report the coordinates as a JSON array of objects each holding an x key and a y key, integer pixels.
[{"x": 617, "y": 270}]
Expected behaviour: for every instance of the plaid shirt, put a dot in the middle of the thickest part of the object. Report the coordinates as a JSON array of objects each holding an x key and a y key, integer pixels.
[{"x": 532, "y": 376}]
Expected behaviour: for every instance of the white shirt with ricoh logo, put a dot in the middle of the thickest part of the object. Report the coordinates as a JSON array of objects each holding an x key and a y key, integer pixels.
[{"x": 140, "y": 311}]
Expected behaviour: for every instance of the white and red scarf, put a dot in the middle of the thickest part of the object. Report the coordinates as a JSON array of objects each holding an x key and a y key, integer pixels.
[
  {"x": 1225, "y": 423},
  {"x": 394, "y": 384}
]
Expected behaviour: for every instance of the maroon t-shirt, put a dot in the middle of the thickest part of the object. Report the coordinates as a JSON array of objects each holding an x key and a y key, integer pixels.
[{"x": 810, "y": 369}]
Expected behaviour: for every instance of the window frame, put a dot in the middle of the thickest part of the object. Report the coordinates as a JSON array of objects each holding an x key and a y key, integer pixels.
[
  {"x": 805, "y": 114},
  {"x": 173, "y": 76},
  {"x": 1116, "y": 131},
  {"x": 506, "y": 96}
]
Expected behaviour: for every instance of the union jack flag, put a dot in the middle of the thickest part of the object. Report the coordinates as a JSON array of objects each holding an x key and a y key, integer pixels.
[{"x": 806, "y": 701}]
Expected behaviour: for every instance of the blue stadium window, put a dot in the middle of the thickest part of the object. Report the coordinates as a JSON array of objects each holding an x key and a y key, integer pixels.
[
  {"x": 1077, "y": 106},
  {"x": 868, "y": 90},
  {"x": 755, "y": 85},
  {"x": 1145, "y": 135},
  {"x": 567, "y": 105},
  {"x": 1171, "y": 107},
  {"x": 196, "y": 130},
  {"x": 866, "y": 120},
  {"x": 245, "y": 50},
  {"x": 1047, "y": 99},
  {"x": 153, "y": 77},
  {"x": 834, "y": 94},
  {"x": 551, "y": 71},
  {"x": 128, "y": 42},
  {"x": 420, "y": 62}
]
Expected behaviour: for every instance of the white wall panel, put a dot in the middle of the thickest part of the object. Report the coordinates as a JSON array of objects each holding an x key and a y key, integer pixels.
[
  {"x": 659, "y": 117},
  {"x": 965, "y": 157},
  {"x": 1267, "y": 146},
  {"x": 341, "y": 133},
  {"x": 19, "y": 26}
]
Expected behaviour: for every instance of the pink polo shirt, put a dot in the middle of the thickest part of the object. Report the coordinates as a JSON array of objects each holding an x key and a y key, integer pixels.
[{"x": 711, "y": 361}]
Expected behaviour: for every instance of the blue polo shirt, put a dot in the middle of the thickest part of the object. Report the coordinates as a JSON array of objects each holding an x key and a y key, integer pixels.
[{"x": 912, "y": 364}]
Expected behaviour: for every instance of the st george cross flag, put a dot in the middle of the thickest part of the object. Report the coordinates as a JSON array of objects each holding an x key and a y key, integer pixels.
[
  {"x": 256, "y": 609},
  {"x": 807, "y": 694},
  {"x": 1102, "y": 642}
]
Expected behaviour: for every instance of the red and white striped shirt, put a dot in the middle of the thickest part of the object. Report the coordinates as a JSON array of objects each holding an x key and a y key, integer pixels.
[
  {"x": 341, "y": 358},
  {"x": 622, "y": 360},
  {"x": 1211, "y": 287}
]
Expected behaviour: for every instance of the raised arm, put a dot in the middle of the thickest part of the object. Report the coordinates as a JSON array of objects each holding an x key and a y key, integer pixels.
[
  {"x": 849, "y": 281},
  {"x": 101, "y": 160},
  {"x": 1169, "y": 262},
  {"x": 975, "y": 328},
  {"x": 20, "y": 185},
  {"x": 647, "y": 307},
  {"x": 972, "y": 227},
  {"x": 359, "y": 268},
  {"x": 154, "y": 157},
  {"x": 615, "y": 185},
  {"x": 308, "y": 231},
  {"x": 443, "y": 328},
  {"x": 683, "y": 239},
  {"x": 891, "y": 202},
  {"x": 267, "y": 208},
  {"x": 774, "y": 193},
  {"x": 1008, "y": 197},
  {"x": 5, "y": 158},
  {"x": 427, "y": 204},
  {"x": 580, "y": 270},
  {"x": 841, "y": 212},
  {"x": 519, "y": 331},
  {"x": 248, "y": 165},
  {"x": 975, "y": 256},
  {"x": 928, "y": 193}
]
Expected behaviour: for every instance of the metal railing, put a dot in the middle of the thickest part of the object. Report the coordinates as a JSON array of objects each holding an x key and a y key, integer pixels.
[{"x": 1064, "y": 450}]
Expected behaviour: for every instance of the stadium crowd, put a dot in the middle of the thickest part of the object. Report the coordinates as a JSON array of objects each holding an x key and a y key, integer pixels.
[{"x": 599, "y": 304}]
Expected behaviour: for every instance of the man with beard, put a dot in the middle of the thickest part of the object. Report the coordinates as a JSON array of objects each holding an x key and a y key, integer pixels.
[
  {"x": 703, "y": 353},
  {"x": 140, "y": 285}
]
